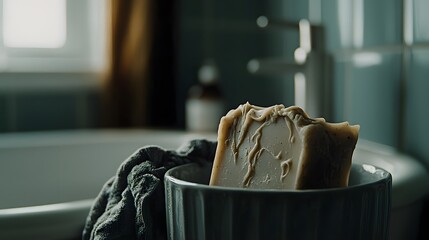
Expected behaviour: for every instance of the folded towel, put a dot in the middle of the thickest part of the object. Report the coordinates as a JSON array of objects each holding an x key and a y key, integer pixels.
[{"x": 131, "y": 205}]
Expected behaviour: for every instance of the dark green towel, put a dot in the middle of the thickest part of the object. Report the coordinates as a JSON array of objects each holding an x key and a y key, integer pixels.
[{"x": 131, "y": 205}]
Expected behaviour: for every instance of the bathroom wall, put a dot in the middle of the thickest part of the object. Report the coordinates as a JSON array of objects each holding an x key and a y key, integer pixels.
[
  {"x": 48, "y": 101},
  {"x": 226, "y": 31},
  {"x": 381, "y": 60},
  {"x": 365, "y": 39},
  {"x": 380, "y": 55}
]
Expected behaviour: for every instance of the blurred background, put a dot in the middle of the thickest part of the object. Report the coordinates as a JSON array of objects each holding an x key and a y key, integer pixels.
[
  {"x": 99, "y": 64},
  {"x": 131, "y": 64}
]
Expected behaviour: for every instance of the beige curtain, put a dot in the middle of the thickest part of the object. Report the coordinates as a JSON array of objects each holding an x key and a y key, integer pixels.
[{"x": 126, "y": 81}]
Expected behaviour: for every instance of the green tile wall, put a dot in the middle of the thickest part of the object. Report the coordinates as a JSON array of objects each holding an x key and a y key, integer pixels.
[
  {"x": 420, "y": 21},
  {"x": 45, "y": 111},
  {"x": 417, "y": 109},
  {"x": 382, "y": 22},
  {"x": 373, "y": 95},
  {"x": 3, "y": 114}
]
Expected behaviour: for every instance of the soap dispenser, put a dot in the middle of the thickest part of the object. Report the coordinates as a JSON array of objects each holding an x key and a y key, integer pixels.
[{"x": 204, "y": 105}]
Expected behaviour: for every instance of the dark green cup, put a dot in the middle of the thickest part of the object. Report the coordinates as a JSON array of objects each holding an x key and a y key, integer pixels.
[{"x": 196, "y": 210}]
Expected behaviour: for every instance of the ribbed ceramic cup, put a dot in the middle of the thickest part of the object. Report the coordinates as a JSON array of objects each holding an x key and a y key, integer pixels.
[{"x": 198, "y": 211}]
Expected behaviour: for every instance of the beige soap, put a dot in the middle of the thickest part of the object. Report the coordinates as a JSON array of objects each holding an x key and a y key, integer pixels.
[{"x": 282, "y": 148}]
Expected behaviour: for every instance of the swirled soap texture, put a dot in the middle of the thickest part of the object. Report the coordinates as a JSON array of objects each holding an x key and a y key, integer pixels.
[{"x": 281, "y": 147}]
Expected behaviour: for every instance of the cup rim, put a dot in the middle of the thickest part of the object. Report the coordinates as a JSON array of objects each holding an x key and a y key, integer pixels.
[{"x": 385, "y": 176}]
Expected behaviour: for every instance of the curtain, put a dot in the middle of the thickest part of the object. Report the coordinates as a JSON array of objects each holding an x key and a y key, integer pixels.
[{"x": 140, "y": 40}]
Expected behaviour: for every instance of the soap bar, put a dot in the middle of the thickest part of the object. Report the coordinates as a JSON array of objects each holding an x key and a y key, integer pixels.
[{"x": 281, "y": 147}]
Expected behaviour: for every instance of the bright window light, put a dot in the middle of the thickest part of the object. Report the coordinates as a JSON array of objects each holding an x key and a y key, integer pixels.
[{"x": 34, "y": 23}]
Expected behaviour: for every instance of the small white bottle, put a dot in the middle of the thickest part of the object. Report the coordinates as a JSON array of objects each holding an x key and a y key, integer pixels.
[{"x": 204, "y": 106}]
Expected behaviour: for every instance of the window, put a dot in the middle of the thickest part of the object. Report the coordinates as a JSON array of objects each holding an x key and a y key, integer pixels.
[
  {"x": 52, "y": 35},
  {"x": 34, "y": 24}
]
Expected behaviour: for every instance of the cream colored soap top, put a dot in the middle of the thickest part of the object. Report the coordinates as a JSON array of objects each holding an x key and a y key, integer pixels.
[{"x": 281, "y": 147}]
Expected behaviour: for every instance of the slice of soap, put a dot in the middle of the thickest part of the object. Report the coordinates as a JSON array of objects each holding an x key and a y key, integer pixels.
[{"x": 282, "y": 148}]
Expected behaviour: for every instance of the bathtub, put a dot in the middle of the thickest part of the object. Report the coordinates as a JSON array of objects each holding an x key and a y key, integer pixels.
[{"x": 49, "y": 180}]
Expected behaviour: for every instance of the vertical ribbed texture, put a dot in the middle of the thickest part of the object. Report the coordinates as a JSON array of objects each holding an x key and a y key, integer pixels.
[{"x": 220, "y": 213}]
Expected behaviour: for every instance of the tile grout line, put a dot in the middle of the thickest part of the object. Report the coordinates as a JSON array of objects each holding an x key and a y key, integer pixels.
[
  {"x": 403, "y": 86},
  {"x": 11, "y": 112},
  {"x": 407, "y": 42}
]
